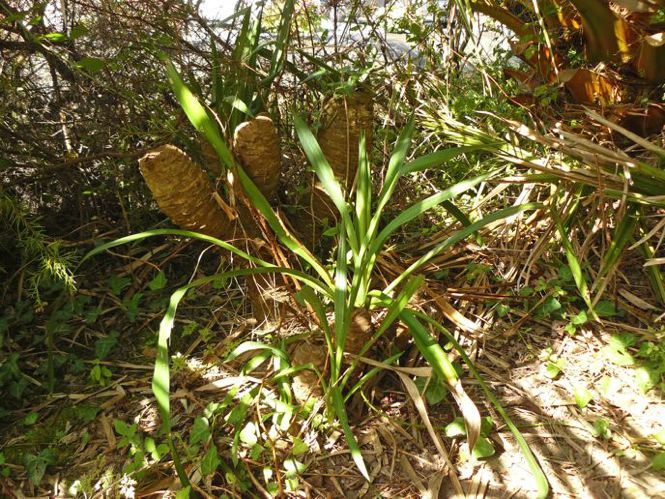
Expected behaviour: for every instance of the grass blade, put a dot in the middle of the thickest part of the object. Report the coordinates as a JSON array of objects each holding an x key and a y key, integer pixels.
[
  {"x": 279, "y": 53},
  {"x": 459, "y": 236},
  {"x": 421, "y": 207},
  {"x": 541, "y": 480},
  {"x": 655, "y": 275},
  {"x": 438, "y": 359},
  {"x": 173, "y": 232},
  {"x": 249, "y": 346},
  {"x": 303, "y": 277},
  {"x": 622, "y": 235},
  {"x": 308, "y": 295},
  {"x": 573, "y": 262}
]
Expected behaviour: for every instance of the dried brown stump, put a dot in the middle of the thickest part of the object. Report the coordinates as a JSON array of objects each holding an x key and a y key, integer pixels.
[
  {"x": 183, "y": 192},
  {"x": 256, "y": 146},
  {"x": 210, "y": 158},
  {"x": 344, "y": 119},
  {"x": 315, "y": 212},
  {"x": 306, "y": 383},
  {"x": 360, "y": 332}
]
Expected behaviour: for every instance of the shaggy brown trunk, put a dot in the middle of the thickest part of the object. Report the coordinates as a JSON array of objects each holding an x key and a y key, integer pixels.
[
  {"x": 315, "y": 211},
  {"x": 344, "y": 118},
  {"x": 183, "y": 192},
  {"x": 210, "y": 158},
  {"x": 343, "y": 121},
  {"x": 306, "y": 383},
  {"x": 360, "y": 332},
  {"x": 256, "y": 146}
]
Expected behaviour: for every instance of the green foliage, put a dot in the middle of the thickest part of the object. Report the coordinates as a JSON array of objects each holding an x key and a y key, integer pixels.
[
  {"x": 601, "y": 429},
  {"x": 250, "y": 77},
  {"x": 359, "y": 232},
  {"x": 106, "y": 344},
  {"x": 5, "y": 471},
  {"x": 46, "y": 261},
  {"x": 139, "y": 448},
  {"x": 11, "y": 377},
  {"x": 582, "y": 396},
  {"x": 658, "y": 462},
  {"x": 210, "y": 461},
  {"x": 576, "y": 321},
  {"x": 158, "y": 282},
  {"x": 617, "y": 349},
  {"x": 433, "y": 389},
  {"x": 648, "y": 361},
  {"x": 553, "y": 364},
  {"x": 100, "y": 375},
  {"x": 483, "y": 447},
  {"x": 36, "y": 465}
]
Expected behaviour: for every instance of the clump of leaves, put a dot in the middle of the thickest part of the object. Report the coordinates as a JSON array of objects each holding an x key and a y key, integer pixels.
[
  {"x": 553, "y": 363},
  {"x": 140, "y": 449},
  {"x": 42, "y": 256},
  {"x": 648, "y": 360},
  {"x": 483, "y": 448}
]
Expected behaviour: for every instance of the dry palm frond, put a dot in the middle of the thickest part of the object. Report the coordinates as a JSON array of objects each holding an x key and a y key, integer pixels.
[
  {"x": 650, "y": 60},
  {"x": 256, "y": 146},
  {"x": 589, "y": 87},
  {"x": 183, "y": 192}
]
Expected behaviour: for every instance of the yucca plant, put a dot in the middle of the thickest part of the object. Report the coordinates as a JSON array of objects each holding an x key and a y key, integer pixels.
[{"x": 348, "y": 288}]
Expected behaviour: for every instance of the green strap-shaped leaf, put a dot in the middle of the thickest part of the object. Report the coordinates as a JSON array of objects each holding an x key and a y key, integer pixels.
[
  {"x": 363, "y": 190},
  {"x": 440, "y": 157},
  {"x": 342, "y": 312},
  {"x": 199, "y": 116},
  {"x": 327, "y": 177},
  {"x": 204, "y": 123},
  {"x": 421, "y": 207},
  {"x": 573, "y": 262},
  {"x": 459, "y": 236},
  {"x": 542, "y": 485}
]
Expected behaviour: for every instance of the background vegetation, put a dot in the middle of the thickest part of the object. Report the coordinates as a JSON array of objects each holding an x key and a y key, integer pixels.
[{"x": 332, "y": 248}]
